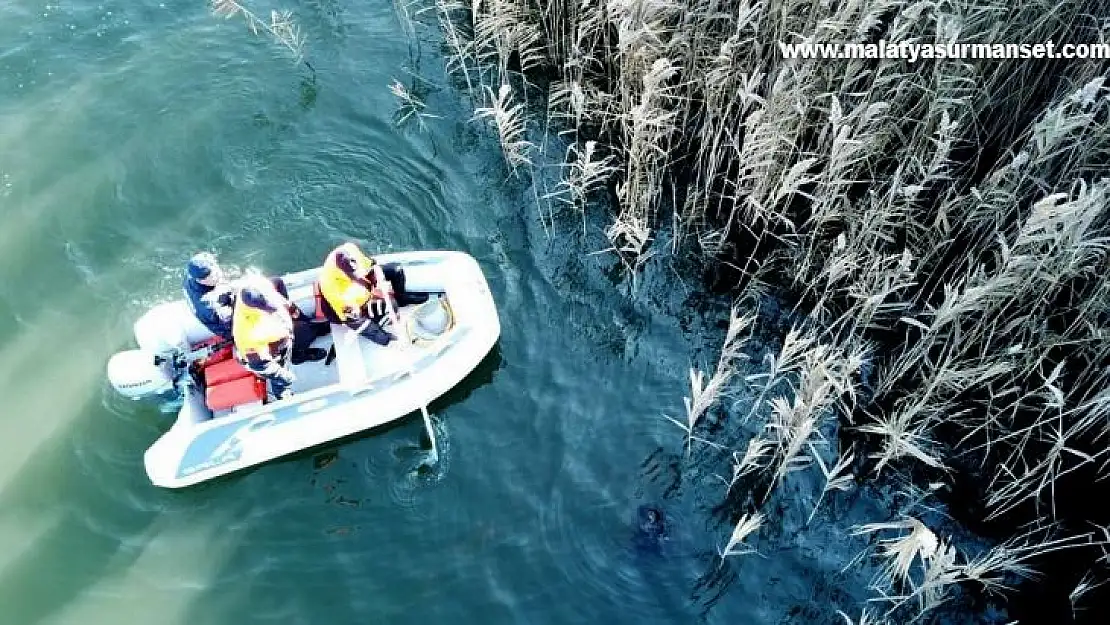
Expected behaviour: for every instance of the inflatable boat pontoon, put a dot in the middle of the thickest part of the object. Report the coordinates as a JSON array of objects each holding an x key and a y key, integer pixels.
[{"x": 226, "y": 423}]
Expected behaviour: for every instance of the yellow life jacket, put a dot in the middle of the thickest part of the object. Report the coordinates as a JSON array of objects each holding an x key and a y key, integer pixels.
[
  {"x": 253, "y": 330},
  {"x": 339, "y": 289}
]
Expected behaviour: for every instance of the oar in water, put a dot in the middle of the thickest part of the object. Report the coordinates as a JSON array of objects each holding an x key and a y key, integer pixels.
[{"x": 406, "y": 340}]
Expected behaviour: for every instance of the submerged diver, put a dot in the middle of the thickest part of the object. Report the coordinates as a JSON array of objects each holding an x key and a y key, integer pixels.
[{"x": 651, "y": 528}]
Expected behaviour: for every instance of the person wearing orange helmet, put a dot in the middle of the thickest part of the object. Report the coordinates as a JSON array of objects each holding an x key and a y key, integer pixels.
[
  {"x": 347, "y": 292},
  {"x": 270, "y": 331}
]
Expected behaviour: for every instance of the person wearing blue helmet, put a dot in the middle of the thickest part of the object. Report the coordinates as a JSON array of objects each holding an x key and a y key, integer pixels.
[
  {"x": 211, "y": 297},
  {"x": 209, "y": 294}
]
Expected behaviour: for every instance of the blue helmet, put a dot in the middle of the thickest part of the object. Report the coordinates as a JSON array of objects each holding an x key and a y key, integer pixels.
[
  {"x": 201, "y": 266},
  {"x": 254, "y": 297}
]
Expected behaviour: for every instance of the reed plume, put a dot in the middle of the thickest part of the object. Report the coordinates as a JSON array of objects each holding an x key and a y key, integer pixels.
[{"x": 281, "y": 27}]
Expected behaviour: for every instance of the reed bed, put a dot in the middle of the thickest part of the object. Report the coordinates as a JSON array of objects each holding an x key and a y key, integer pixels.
[{"x": 937, "y": 228}]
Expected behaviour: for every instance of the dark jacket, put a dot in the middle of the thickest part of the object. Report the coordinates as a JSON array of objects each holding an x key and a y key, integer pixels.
[{"x": 204, "y": 301}]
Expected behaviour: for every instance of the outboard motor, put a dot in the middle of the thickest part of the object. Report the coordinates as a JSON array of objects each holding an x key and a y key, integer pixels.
[
  {"x": 139, "y": 374},
  {"x": 153, "y": 370}
]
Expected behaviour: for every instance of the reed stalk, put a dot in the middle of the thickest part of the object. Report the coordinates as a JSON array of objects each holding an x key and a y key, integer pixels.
[{"x": 281, "y": 27}]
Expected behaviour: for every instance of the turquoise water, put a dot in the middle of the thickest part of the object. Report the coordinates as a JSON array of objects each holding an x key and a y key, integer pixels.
[{"x": 134, "y": 133}]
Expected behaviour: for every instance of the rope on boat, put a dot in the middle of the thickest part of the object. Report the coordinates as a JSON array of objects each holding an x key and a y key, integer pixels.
[{"x": 414, "y": 330}]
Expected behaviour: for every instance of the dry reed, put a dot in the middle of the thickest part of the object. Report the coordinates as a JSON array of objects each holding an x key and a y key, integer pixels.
[
  {"x": 281, "y": 27},
  {"x": 942, "y": 223}
]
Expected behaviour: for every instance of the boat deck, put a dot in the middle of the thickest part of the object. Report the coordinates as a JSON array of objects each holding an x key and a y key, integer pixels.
[
  {"x": 357, "y": 360},
  {"x": 314, "y": 374}
]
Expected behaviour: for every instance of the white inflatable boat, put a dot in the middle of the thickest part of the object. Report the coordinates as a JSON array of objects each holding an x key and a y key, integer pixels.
[{"x": 227, "y": 423}]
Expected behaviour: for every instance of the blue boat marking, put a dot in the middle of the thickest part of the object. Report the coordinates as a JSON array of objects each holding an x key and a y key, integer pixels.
[
  {"x": 223, "y": 444},
  {"x": 202, "y": 452}
]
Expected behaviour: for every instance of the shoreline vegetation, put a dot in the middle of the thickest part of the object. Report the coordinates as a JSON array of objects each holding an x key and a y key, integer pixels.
[
  {"x": 939, "y": 228},
  {"x": 936, "y": 233}
]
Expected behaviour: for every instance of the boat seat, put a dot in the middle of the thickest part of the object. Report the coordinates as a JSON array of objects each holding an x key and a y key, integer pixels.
[
  {"x": 228, "y": 384},
  {"x": 235, "y": 392},
  {"x": 224, "y": 371}
]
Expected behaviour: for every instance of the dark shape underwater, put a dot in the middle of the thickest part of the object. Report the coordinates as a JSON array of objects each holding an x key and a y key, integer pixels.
[{"x": 650, "y": 530}]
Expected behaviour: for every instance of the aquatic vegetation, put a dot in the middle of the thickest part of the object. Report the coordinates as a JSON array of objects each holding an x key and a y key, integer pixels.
[
  {"x": 751, "y": 462},
  {"x": 941, "y": 567},
  {"x": 411, "y": 105},
  {"x": 937, "y": 229},
  {"x": 1081, "y": 589},
  {"x": 281, "y": 27},
  {"x": 824, "y": 376},
  {"x": 747, "y": 525},
  {"x": 508, "y": 119},
  {"x": 704, "y": 394},
  {"x": 865, "y": 618},
  {"x": 839, "y": 477},
  {"x": 585, "y": 173}
]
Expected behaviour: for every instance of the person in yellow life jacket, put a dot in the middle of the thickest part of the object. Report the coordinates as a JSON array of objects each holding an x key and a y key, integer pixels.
[
  {"x": 268, "y": 332},
  {"x": 347, "y": 292}
]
